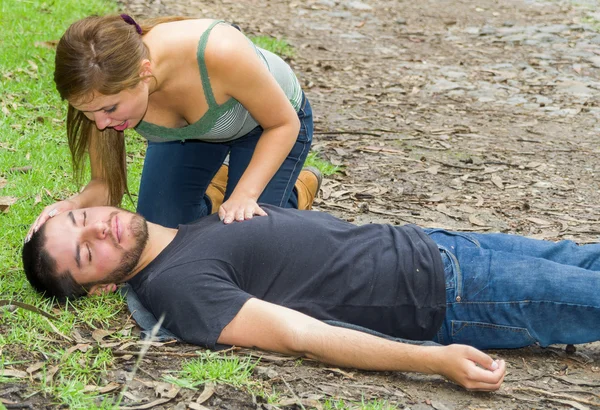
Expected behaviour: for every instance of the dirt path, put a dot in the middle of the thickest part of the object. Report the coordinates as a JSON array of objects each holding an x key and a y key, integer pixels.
[{"x": 457, "y": 114}]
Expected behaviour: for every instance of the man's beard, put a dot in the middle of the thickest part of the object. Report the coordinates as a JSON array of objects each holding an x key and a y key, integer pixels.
[{"x": 139, "y": 229}]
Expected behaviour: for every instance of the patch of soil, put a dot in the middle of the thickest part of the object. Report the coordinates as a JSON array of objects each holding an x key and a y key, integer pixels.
[{"x": 477, "y": 116}]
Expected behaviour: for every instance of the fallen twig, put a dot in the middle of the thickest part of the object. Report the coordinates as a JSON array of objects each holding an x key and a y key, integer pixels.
[
  {"x": 558, "y": 396},
  {"x": 6, "y": 302}
]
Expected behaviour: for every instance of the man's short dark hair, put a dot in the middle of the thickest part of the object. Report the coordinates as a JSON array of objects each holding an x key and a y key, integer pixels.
[{"x": 40, "y": 269}]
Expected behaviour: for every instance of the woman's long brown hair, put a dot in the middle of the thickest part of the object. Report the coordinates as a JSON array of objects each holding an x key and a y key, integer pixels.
[{"x": 100, "y": 54}]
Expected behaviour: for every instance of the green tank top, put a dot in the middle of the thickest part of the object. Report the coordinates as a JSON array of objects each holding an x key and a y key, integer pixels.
[{"x": 229, "y": 120}]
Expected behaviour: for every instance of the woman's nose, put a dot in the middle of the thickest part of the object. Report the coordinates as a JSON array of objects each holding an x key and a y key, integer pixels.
[{"x": 102, "y": 121}]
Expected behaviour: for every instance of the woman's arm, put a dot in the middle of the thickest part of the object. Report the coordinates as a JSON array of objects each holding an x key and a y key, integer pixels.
[
  {"x": 237, "y": 71},
  {"x": 95, "y": 193}
]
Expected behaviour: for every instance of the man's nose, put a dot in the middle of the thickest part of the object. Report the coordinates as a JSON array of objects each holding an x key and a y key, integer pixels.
[{"x": 97, "y": 230}]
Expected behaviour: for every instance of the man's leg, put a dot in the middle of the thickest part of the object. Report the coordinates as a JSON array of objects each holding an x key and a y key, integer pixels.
[
  {"x": 563, "y": 252},
  {"x": 507, "y": 295}
]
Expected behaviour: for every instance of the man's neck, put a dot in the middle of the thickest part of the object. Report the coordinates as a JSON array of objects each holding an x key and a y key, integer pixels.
[{"x": 159, "y": 238}]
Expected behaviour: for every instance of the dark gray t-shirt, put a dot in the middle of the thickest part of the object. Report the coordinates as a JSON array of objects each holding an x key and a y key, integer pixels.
[{"x": 389, "y": 279}]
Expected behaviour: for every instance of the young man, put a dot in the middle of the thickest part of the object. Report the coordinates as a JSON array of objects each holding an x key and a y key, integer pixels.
[{"x": 272, "y": 281}]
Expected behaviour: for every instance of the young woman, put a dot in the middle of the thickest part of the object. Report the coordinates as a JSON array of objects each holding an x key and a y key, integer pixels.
[{"x": 198, "y": 90}]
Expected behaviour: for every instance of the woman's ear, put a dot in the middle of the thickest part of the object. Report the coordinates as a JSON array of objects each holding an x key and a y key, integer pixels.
[{"x": 145, "y": 69}]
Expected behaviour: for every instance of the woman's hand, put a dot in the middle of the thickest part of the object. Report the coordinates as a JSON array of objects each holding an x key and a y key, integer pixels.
[
  {"x": 239, "y": 209},
  {"x": 471, "y": 368},
  {"x": 49, "y": 212}
]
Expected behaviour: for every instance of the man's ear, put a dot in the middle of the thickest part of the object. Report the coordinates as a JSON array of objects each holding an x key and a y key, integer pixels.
[{"x": 104, "y": 288}]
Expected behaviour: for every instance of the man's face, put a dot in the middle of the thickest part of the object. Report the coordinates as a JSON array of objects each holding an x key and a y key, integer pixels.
[{"x": 97, "y": 245}]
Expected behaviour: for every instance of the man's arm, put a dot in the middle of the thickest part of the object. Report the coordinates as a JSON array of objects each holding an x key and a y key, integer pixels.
[{"x": 271, "y": 327}]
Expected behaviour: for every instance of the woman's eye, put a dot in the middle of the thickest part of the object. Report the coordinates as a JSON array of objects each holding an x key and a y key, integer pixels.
[
  {"x": 111, "y": 109},
  {"x": 89, "y": 253}
]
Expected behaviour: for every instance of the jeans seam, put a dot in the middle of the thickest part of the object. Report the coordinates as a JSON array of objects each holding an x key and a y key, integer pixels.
[
  {"x": 466, "y": 324},
  {"x": 457, "y": 273},
  {"x": 292, "y": 173}
]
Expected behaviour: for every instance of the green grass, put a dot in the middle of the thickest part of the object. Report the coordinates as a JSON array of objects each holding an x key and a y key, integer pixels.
[
  {"x": 211, "y": 367},
  {"x": 35, "y": 170},
  {"x": 331, "y": 404},
  {"x": 278, "y": 46},
  {"x": 592, "y": 22},
  {"x": 33, "y": 135},
  {"x": 326, "y": 167}
]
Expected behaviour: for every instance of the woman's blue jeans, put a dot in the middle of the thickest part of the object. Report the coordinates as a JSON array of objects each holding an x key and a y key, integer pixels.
[
  {"x": 176, "y": 174},
  {"x": 508, "y": 291}
]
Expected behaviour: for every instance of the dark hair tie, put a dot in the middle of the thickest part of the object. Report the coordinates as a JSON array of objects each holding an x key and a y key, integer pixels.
[{"x": 129, "y": 20}]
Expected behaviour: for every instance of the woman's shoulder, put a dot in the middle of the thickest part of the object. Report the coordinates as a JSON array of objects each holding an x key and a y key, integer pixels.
[{"x": 184, "y": 35}]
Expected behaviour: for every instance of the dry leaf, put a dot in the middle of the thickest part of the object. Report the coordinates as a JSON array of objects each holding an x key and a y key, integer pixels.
[
  {"x": 146, "y": 406},
  {"x": 311, "y": 403},
  {"x": 23, "y": 170},
  {"x": 539, "y": 221},
  {"x": 50, "y": 373},
  {"x": 497, "y": 181},
  {"x": 100, "y": 334},
  {"x": 209, "y": 390},
  {"x": 433, "y": 170},
  {"x": 58, "y": 332},
  {"x": 3, "y": 182},
  {"x": 476, "y": 221},
  {"x": 102, "y": 390},
  {"x": 442, "y": 196},
  {"x": 6, "y": 202},
  {"x": 51, "y": 44},
  {"x": 437, "y": 405},
  {"x": 35, "y": 367},
  {"x": 82, "y": 347},
  {"x": 166, "y": 390},
  {"x": 341, "y": 372},
  {"x": 196, "y": 406},
  {"x": 33, "y": 65},
  {"x": 13, "y": 373}
]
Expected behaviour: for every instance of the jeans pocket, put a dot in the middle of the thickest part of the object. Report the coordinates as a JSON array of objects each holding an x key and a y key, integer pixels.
[
  {"x": 489, "y": 335},
  {"x": 452, "y": 234}
]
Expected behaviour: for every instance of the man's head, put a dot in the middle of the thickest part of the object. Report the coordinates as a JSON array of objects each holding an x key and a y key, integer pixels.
[{"x": 84, "y": 251}]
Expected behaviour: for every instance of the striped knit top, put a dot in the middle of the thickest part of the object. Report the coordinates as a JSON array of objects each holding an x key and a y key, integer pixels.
[{"x": 230, "y": 120}]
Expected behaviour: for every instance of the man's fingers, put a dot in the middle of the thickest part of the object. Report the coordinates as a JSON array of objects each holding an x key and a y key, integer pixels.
[
  {"x": 482, "y": 359},
  {"x": 489, "y": 376},
  {"x": 482, "y": 379}
]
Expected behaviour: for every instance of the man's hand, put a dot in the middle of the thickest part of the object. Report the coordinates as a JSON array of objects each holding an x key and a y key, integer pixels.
[
  {"x": 470, "y": 368},
  {"x": 239, "y": 209}
]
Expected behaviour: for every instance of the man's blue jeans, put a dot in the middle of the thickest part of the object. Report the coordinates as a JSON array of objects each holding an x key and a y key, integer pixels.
[
  {"x": 507, "y": 291},
  {"x": 176, "y": 174}
]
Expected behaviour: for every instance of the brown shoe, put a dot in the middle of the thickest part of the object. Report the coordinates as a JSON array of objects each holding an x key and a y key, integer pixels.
[
  {"x": 307, "y": 187},
  {"x": 216, "y": 188}
]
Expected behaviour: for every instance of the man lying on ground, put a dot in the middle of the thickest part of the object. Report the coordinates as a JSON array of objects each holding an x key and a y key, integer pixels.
[{"x": 270, "y": 282}]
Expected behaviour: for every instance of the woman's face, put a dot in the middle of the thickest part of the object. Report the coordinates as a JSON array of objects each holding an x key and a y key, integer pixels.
[{"x": 119, "y": 111}]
